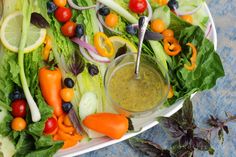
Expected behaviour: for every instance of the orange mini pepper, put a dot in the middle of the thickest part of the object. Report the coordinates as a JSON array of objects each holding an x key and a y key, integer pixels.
[
  {"x": 103, "y": 45},
  {"x": 171, "y": 46},
  {"x": 193, "y": 59}
]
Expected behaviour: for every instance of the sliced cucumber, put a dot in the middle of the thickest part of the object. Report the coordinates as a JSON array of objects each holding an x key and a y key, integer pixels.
[
  {"x": 162, "y": 13},
  {"x": 7, "y": 148},
  {"x": 189, "y": 5},
  {"x": 88, "y": 104}
]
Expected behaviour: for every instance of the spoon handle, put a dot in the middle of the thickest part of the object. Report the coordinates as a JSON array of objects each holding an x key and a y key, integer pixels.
[{"x": 143, "y": 22}]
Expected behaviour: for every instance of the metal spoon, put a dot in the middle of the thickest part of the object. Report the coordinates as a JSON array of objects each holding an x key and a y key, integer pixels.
[{"x": 143, "y": 22}]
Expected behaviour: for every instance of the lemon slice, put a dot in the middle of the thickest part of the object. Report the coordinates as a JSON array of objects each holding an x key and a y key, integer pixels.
[
  {"x": 118, "y": 42},
  {"x": 11, "y": 33}
]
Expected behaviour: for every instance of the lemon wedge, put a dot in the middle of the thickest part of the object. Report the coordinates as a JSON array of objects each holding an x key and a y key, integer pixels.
[
  {"x": 11, "y": 33},
  {"x": 118, "y": 42}
]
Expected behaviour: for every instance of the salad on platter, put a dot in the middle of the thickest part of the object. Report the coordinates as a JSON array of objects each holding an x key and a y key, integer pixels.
[{"x": 53, "y": 58}]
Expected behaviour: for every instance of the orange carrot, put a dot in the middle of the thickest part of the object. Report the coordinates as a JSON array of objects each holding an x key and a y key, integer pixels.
[
  {"x": 112, "y": 125},
  {"x": 67, "y": 121},
  {"x": 50, "y": 84},
  {"x": 69, "y": 143}
]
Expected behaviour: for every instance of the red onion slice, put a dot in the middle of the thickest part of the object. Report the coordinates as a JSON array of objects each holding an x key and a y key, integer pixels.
[
  {"x": 85, "y": 54},
  {"x": 208, "y": 30},
  {"x": 84, "y": 44},
  {"x": 91, "y": 50},
  {"x": 180, "y": 13},
  {"x": 74, "y": 6},
  {"x": 149, "y": 10}
]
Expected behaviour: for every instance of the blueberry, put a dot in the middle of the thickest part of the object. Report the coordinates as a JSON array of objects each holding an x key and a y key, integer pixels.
[
  {"x": 92, "y": 69},
  {"x": 68, "y": 82},
  {"x": 131, "y": 29},
  {"x": 51, "y": 7},
  {"x": 16, "y": 94},
  {"x": 79, "y": 30},
  {"x": 67, "y": 106},
  {"x": 104, "y": 11},
  {"x": 173, "y": 4}
]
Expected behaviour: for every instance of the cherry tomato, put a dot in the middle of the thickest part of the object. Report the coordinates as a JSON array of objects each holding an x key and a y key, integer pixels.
[
  {"x": 68, "y": 29},
  {"x": 187, "y": 18},
  {"x": 63, "y": 14},
  {"x": 111, "y": 20},
  {"x": 50, "y": 126},
  {"x": 19, "y": 108},
  {"x": 67, "y": 94},
  {"x": 138, "y": 6},
  {"x": 60, "y": 3},
  {"x": 18, "y": 124},
  {"x": 168, "y": 33},
  {"x": 158, "y": 26}
]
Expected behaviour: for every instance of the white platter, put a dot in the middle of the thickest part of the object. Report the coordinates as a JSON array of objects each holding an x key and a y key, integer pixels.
[{"x": 147, "y": 123}]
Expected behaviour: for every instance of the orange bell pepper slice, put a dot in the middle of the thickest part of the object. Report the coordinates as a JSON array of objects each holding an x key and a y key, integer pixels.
[
  {"x": 171, "y": 46},
  {"x": 63, "y": 127},
  {"x": 69, "y": 143},
  {"x": 193, "y": 59},
  {"x": 47, "y": 48},
  {"x": 67, "y": 121},
  {"x": 103, "y": 45}
]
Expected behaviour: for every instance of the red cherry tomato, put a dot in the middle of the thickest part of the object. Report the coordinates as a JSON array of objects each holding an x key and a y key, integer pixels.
[
  {"x": 138, "y": 6},
  {"x": 63, "y": 14},
  {"x": 50, "y": 126},
  {"x": 68, "y": 29},
  {"x": 19, "y": 108}
]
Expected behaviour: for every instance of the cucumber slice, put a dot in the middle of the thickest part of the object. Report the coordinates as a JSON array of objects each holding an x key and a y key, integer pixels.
[
  {"x": 162, "y": 13},
  {"x": 7, "y": 148},
  {"x": 88, "y": 104},
  {"x": 189, "y": 5}
]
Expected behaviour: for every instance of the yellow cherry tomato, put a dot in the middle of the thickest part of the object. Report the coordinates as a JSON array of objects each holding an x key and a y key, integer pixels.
[
  {"x": 111, "y": 20},
  {"x": 187, "y": 18},
  {"x": 158, "y": 26},
  {"x": 103, "y": 45},
  {"x": 67, "y": 94},
  {"x": 60, "y": 3},
  {"x": 18, "y": 124},
  {"x": 168, "y": 33},
  {"x": 161, "y": 2}
]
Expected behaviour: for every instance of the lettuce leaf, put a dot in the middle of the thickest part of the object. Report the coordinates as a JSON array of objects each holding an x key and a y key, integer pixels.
[{"x": 209, "y": 67}]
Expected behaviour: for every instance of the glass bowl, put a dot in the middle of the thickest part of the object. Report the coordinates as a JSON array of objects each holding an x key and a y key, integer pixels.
[{"x": 138, "y": 110}]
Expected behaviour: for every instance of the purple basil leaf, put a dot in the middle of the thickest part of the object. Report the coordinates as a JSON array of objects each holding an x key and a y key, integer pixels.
[
  {"x": 172, "y": 126},
  {"x": 122, "y": 50},
  {"x": 145, "y": 146},
  {"x": 77, "y": 66},
  {"x": 226, "y": 129},
  {"x": 201, "y": 144},
  {"x": 221, "y": 135},
  {"x": 183, "y": 152},
  {"x": 187, "y": 112},
  {"x": 38, "y": 20},
  {"x": 184, "y": 140}
]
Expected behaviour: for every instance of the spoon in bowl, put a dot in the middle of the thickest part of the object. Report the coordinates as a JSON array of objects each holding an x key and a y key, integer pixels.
[{"x": 142, "y": 24}]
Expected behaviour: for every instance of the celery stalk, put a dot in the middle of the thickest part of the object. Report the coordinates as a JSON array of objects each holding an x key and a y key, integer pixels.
[{"x": 27, "y": 8}]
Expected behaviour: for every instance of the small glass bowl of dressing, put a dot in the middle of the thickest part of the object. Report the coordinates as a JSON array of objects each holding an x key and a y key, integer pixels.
[{"x": 136, "y": 97}]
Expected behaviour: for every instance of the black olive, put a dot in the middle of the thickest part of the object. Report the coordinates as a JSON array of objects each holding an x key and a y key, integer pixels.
[
  {"x": 79, "y": 30},
  {"x": 67, "y": 106},
  {"x": 92, "y": 69},
  {"x": 131, "y": 29},
  {"x": 68, "y": 82},
  {"x": 16, "y": 94},
  {"x": 173, "y": 4},
  {"x": 51, "y": 7},
  {"x": 104, "y": 11}
]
